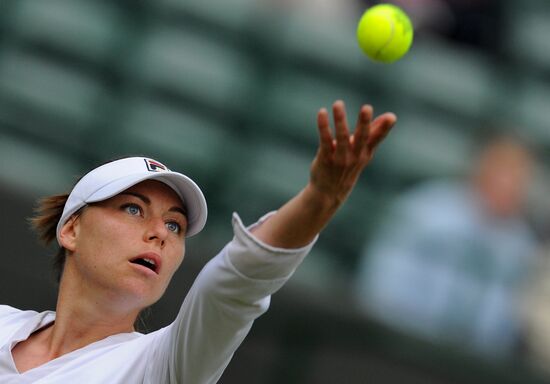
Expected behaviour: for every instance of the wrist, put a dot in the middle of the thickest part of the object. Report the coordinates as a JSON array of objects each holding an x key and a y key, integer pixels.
[{"x": 320, "y": 200}]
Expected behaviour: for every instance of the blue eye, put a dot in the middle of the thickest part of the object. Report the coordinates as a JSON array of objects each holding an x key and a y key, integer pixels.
[
  {"x": 173, "y": 227},
  {"x": 133, "y": 209}
]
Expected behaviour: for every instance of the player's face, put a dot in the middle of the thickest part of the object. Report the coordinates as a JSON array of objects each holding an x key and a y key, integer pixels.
[{"x": 129, "y": 246}]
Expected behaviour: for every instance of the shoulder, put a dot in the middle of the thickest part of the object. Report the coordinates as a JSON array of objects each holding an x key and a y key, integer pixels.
[
  {"x": 432, "y": 201},
  {"x": 435, "y": 192},
  {"x": 6, "y": 310},
  {"x": 11, "y": 319},
  {"x": 11, "y": 315}
]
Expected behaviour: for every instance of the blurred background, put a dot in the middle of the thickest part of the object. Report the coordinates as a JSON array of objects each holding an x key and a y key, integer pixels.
[{"x": 435, "y": 271}]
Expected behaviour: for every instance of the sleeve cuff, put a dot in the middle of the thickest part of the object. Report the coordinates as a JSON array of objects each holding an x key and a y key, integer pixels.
[{"x": 258, "y": 260}]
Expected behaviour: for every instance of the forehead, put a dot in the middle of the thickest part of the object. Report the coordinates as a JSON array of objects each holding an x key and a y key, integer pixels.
[{"x": 154, "y": 189}]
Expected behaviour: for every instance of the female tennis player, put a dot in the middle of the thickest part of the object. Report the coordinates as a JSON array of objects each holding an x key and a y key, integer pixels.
[{"x": 121, "y": 233}]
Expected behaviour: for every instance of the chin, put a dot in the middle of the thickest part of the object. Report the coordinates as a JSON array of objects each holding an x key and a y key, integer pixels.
[{"x": 141, "y": 295}]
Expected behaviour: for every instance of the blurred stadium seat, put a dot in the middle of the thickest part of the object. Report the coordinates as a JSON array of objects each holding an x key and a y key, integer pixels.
[
  {"x": 525, "y": 38},
  {"x": 528, "y": 42},
  {"x": 264, "y": 176},
  {"x": 59, "y": 24},
  {"x": 330, "y": 46},
  {"x": 178, "y": 136},
  {"x": 291, "y": 99},
  {"x": 531, "y": 108},
  {"x": 194, "y": 66},
  {"x": 50, "y": 100},
  {"x": 451, "y": 78},
  {"x": 32, "y": 170},
  {"x": 225, "y": 16},
  {"x": 428, "y": 144}
]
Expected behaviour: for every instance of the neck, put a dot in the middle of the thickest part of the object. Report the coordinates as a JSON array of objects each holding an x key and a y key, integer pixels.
[{"x": 83, "y": 318}]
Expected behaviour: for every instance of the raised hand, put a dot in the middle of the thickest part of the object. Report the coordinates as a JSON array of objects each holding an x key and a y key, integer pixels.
[
  {"x": 338, "y": 164},
  {"x": 341, "y": 158}
]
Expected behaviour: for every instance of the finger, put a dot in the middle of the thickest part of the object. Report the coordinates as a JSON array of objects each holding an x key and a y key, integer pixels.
[
  {"x": 341, "y": 128},
  {"x": 380, "y": 128},
  {"x": 325, "y": 137},
  {"x": 362, "y": 128}
]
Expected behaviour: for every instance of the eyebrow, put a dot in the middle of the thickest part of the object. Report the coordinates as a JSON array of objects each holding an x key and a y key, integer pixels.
[{"x": 147, "y": 201}]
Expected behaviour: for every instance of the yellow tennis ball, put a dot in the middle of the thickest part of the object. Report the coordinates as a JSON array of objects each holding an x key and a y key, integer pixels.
[{"x": 385, "y": 33}]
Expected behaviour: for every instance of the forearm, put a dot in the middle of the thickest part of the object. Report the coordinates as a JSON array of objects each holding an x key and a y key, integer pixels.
[{"x": 299, "y": 221}]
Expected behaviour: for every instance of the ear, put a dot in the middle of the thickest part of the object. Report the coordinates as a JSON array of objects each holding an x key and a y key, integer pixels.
[{"x": 69, "y": 233}]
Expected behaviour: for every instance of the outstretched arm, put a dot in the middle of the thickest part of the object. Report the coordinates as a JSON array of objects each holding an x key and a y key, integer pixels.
[{"x": 334, "y": 172}]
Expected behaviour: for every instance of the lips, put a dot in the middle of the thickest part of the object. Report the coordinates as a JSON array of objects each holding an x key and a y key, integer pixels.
[{"x": 148, "y": 260}]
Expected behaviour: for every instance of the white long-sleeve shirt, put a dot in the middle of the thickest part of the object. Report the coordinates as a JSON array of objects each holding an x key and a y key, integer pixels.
[{"x": 232, "y": 290}]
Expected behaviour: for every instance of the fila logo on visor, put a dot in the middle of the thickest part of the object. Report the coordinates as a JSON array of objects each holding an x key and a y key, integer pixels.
[{"x": 155, "y": 166}]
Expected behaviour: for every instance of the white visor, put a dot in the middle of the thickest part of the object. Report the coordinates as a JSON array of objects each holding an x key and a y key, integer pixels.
[{"x": 112, "y": 178}]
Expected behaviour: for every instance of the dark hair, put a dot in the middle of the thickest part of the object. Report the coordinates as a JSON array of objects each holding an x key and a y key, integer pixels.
[
  {"x": 44, "y": 221},
  {"x": 46, "y": 216}
]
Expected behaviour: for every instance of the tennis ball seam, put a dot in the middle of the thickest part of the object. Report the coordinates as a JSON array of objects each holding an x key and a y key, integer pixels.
[{"x": 390, "y": 38}]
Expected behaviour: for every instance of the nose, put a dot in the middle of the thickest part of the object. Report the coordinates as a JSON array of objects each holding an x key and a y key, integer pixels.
[{"x": 156, "y": 231}]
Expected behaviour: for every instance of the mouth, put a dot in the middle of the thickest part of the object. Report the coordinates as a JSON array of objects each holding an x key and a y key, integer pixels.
[{"x": 149, "y": 261}]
